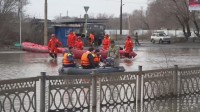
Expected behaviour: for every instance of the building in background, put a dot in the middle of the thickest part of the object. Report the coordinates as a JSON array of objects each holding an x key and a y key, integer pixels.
[{"x": 63, "y": 26}]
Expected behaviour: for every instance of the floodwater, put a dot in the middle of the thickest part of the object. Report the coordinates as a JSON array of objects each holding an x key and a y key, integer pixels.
[{"x": 19, "y": 64}]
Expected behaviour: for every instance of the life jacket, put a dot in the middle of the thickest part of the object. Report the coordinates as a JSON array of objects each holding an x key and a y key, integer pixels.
[
  {"x": 96, "y": 58},
  {"x": 65, "y": 59},
  {"x": 84, "y": 59}
]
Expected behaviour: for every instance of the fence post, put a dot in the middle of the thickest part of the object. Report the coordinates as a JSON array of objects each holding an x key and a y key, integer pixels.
[
  {"x": 42, "y": 91},
  {"x": 94, "y": 90},
  {"x": 139, "y": 96},
  {"x": 175, "y": 80},
  {"x": 139, "y": 82}
]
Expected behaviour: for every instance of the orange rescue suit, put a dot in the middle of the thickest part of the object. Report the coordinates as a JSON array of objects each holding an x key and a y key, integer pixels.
[
  {"x": 128, "y": 45},
  {"x": 71, "y": 39},
  {"x": 84, "y": 59},
  {"x": 53, "y": 44},
  {"x": 106, "y": 43},
  {"x": 91, "y": 38},
  {"x": 79, "y": 45}
]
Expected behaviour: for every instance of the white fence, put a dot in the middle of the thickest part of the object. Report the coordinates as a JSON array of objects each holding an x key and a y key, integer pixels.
[{"x": 173, "y": 33}]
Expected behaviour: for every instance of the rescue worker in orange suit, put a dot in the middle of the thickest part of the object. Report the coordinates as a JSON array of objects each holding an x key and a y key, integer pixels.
[
  {"x": 71, "y": 40},
  {"x": 91, "y": 39},
  {"x": 106, "y": 42},
  {"x": 68, "y": 58},
  {"x": 97, "y": 58},
  {"x": 87, "y": 59},
  {"x": 128, "y": 46},
  {"x": 79, "y": 44},
  {"x": 52, "y": 46}
]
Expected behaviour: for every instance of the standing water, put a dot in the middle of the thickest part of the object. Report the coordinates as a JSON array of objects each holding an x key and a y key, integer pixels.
[{"x": 20, "y": 64}]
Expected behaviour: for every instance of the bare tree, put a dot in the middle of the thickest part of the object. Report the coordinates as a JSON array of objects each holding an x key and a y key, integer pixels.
[
  {"x": 181, "y": 11},
  {"x": 164, "y": 11},
  {"x": 139, "y": 20},
  {"x": 9, "y": 20},
  {"x": 195, "y": 19},
  {"x": 159, "y": 15}
]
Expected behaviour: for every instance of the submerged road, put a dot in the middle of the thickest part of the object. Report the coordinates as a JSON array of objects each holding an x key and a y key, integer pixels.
[{"x": 18, "y": 64}]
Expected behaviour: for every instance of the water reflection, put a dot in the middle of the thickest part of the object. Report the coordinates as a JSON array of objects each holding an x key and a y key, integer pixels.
[
  {"x": 130, "y": 107},
  {"x": 53, "y": 63},
  {"x": 18, "y": 64},
  {"x": 25, "y": 64},
  {"x": 188, "y": 103}
]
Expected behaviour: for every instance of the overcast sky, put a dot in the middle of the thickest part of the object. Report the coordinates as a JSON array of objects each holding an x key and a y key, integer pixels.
[{"x": 75, "y": 7}]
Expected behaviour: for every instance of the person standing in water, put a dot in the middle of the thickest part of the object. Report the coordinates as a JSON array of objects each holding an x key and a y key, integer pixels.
[{"x": 53, "y": 46}]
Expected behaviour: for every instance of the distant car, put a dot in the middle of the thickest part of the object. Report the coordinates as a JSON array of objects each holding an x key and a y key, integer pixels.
[{"x": 160, "y": 37}]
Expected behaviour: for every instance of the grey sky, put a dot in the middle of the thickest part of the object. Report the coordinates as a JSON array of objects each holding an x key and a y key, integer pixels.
[{"x": 75, "y": 7}]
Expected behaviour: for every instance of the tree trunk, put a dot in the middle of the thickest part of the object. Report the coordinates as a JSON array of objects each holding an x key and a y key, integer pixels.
[
  {"x": 195, "y": 24},
  {"x": 197, "y": 29},
  {"x": 183, "y": 26},
  {"x": 187, "y": 28}
]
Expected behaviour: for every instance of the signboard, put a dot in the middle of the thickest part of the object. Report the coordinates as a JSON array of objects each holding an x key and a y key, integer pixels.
[
  {"x": 194, "y": 5},
  {"x": 86, "y": 8}
]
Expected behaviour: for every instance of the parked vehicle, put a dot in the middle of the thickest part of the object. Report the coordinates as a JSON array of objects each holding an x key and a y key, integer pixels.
[{"x": 160, "y": 37}]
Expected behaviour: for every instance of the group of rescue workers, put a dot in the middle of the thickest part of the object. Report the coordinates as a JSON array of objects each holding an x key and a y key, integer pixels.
[{"x": 91, "y": 58}]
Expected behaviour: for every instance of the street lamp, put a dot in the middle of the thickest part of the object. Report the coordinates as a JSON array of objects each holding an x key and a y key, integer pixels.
[
  {"x": 45, "y": 23},
  {"x": 86, "y": 17}
]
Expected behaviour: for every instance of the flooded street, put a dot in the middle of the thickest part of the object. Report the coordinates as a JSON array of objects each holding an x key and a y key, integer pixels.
[
  {"x": 21, "y": 64},
  {"x": 18, "y": 64}
]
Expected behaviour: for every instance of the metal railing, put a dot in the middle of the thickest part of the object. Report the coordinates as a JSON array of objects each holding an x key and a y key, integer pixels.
[
  {"x": 18, "y": 95},
  {"x": 130, "y": 91}
]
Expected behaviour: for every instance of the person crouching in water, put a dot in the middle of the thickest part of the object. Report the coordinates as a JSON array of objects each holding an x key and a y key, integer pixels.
[
  {"x": 97, "y": 58},
  {"x": 68, "y": 58},
  {"x": 52, "y": 46},
  {"x": 113, "y": 54},
  {"x": 87, "y": 59}
]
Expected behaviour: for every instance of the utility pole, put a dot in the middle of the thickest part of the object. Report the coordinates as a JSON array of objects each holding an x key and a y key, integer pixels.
[
  {"x": 45, "y": 23},
  {"x": 121, "y": 19},
  {"x": 20, "y": 22}
]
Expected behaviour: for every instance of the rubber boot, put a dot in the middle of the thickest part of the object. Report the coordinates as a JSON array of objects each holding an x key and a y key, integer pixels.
[
  {"x": 50, "y": 54},
  {"x": 55, "y": 56}
]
